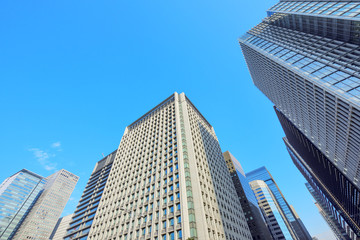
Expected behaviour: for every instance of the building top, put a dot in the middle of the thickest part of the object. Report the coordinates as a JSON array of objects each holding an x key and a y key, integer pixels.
[
  {"x": 158, "y": 107},
  {"x": 236, "y": 163},
  {"x": 29, "y": 172}
]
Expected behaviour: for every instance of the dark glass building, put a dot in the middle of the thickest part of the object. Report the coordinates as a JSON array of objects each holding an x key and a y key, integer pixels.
[
  {"x": 247, "y": 199},
  {"x": 305, "y": 57},
  {"x": 263, "y": 174},
  {"x": 338, "y": 195},
  {"x": 85, "y": 212}
]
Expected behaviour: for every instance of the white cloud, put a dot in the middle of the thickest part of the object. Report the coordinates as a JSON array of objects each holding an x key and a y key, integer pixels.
[
  {"x": 56, "y": 145},
  {"x": 43, "y": 158}
]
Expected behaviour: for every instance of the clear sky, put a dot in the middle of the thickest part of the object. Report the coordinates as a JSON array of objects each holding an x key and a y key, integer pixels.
[{"x": 74, "y": 74}]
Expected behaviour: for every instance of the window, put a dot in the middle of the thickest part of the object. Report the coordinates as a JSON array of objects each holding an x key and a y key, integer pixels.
[{"x": 179, "y": 234}]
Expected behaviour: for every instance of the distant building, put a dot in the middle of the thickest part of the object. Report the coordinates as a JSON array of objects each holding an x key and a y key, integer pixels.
[
  {"x": 296, "y": 226},
  {"x": 60, "y": 228},
  {"x": 84, "y": 214},
  {"x": 302, "y": 226},
  {"x": 274, "y": 217},
  {"x": 43, "y": 216},
  {"x": 248, "y": 202},
  {"x": 18, "y": 194}
]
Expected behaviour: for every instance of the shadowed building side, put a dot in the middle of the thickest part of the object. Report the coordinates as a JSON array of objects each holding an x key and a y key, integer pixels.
[{"x": 248, "y": 202}]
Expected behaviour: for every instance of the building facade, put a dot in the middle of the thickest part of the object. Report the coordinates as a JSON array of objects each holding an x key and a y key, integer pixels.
[
  {"x": 84, "y": 214},
  {"x": 299, "y": 221},
  {"x": 274, "y": 217},
  {"x": 249, "y": 204},
  {"x": 43, "y": 216},
  {"x": 336, "y": 195},
  {"x": 61, "y": 227},
  {"x": 326, "y": 212},
  {"x": 305, "y": 58},
  {"x": 169, "y": 180},
  {"x": 296, "y": 227},
  {"x": 18, "y": 194}
]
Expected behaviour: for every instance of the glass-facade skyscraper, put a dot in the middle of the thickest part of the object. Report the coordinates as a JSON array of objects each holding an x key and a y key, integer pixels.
[
  {"x": 305, "y": 57},
  {"x": 264, "y": 175},
  {"x": 333, "y": 194},
  {"x": 43, "y": 216},
  {"x": 169, "y": 180},
  {"x": 18, "y": 194},
  {"x": 84, "y": 214},
  {"x": 248, "y": 201},
  {"x": 278, "y": 225}
]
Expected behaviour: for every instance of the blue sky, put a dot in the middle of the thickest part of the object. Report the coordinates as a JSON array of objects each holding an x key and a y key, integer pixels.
[{"x": 74, "y": 74}]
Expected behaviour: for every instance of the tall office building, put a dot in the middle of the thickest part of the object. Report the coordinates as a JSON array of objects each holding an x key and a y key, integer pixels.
[
  {"x": 61, "y": 227},
  {"x": 84, "y": 214},
  {"x": 169, "y": 180},
  {"x": 297, "y": 227},
  {"x": 43, "y": 216},
  {"x": 18, "y": 194},
  {"x": 275, "y": 218},
  {"x": 328, "y": 213},
  {"x": 305, "y": 58},
  {"x": 249, "y": 204},
  {"x": 333, "y": 193}
]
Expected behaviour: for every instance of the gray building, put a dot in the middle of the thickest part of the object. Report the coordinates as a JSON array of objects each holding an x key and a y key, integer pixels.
[
  {"x": 61, "y": 227},
  {"x": 249, "y": 203},
  {"x": 44, "y": 214},
  {"x": 305, "y": 57},
  {"x": 18, "y": 194},
  {"x": 84, "y": 214},
  {"x": 169, "y": 180}
]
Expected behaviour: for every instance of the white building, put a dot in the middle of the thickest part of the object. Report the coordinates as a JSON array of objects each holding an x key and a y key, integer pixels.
[{"x": 169, "y": 180}]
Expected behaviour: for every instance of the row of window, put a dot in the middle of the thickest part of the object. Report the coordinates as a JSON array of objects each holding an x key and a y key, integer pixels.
[{"x": 345, "y": 9}]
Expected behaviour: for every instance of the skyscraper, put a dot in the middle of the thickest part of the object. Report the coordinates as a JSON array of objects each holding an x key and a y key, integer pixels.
[
  {"x": 334, "y": 192},
  {"x": 279, "y": 226},
  {"x": 169, "y": 180},
  {"x": 248, "y": 202},
  {"x": 297, "y": 227},
  {"x": 84, "y": 214},
  {"x": 18, "y": 194},
  {"x": 61, "y": 227},
  {"x": 305, "y": 58},
  {"x": 43, "y": 216}
]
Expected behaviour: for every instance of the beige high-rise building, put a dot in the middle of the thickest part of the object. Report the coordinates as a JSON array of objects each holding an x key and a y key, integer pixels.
[
  {"x": 169, "y": 180},
  {"x": 61, "y": 227},
  {"x": 42, "y": 218}
]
